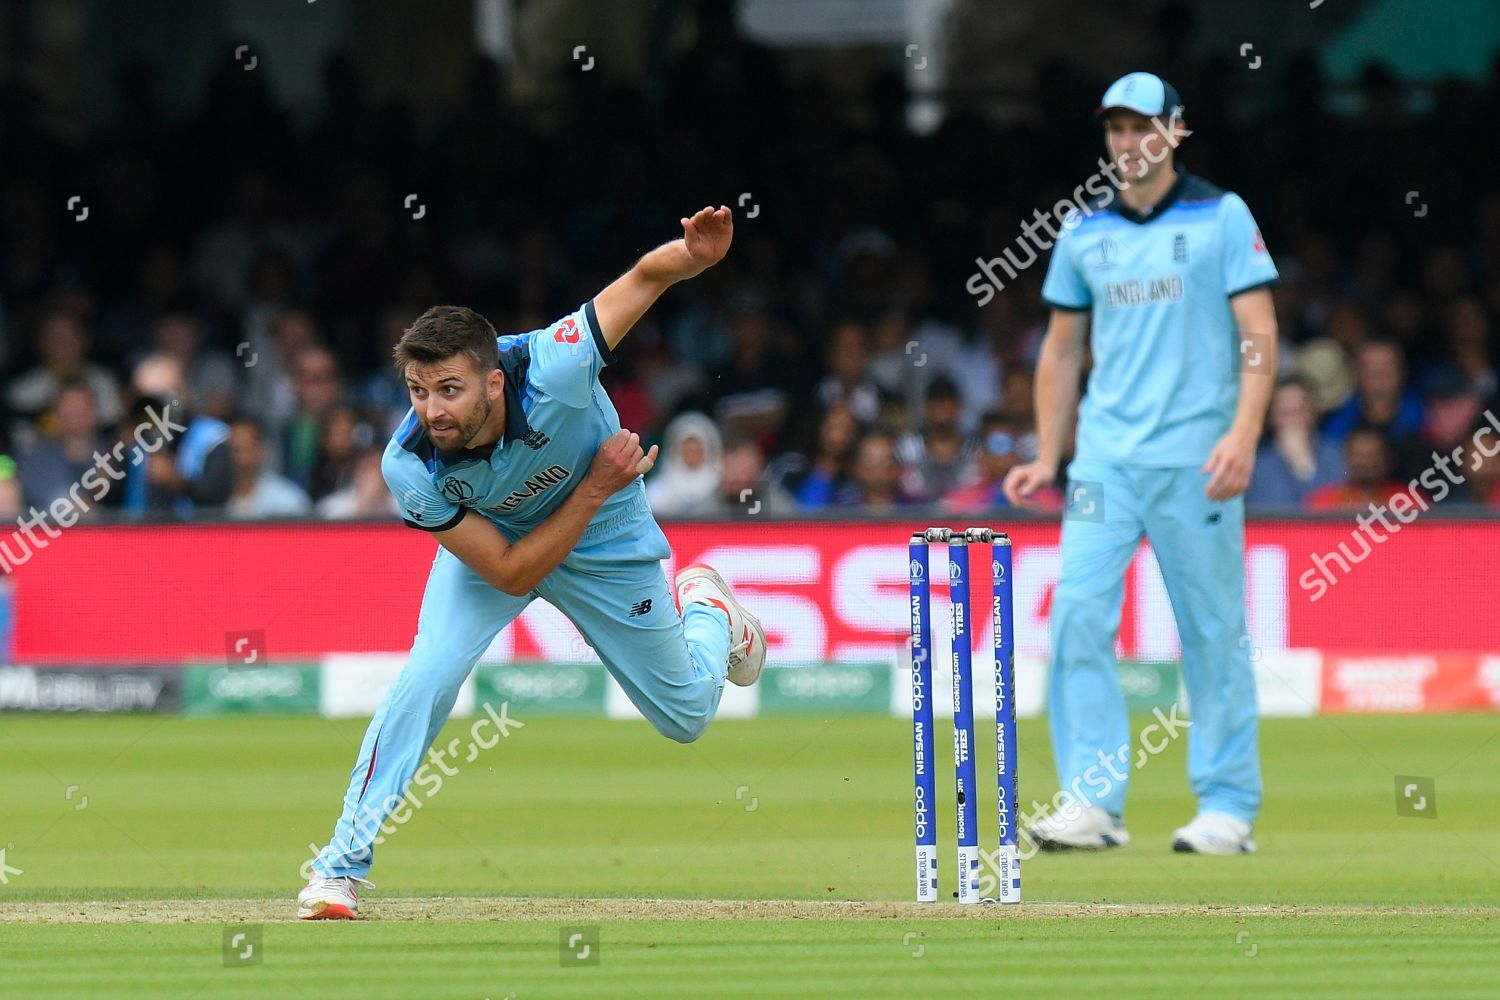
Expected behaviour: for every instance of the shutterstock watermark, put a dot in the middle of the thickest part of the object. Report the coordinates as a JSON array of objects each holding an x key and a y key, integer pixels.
[
  {"x": 1438, "y": 479},
  {"x": 379, "y": 820},
  {"x": 67, "y": 509},
  {"x": 1068, "y": 213}
]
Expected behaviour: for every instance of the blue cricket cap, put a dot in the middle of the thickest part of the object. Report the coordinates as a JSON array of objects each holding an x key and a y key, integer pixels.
[{"x": 1144, "y": 93}]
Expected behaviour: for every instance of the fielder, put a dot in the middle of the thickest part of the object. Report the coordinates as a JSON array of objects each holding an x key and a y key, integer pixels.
[
  {"x": 1167, "y": 282},
  {"x": 512, "y": 455}
]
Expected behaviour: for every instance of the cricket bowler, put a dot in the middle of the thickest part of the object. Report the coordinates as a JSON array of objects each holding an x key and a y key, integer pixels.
[
  {"x": 1167, "y": 282},
  {"x": 513, "y": 457}
]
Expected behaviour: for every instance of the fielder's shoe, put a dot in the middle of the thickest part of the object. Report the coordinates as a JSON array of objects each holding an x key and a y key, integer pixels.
[
  {"x": 1079, "y": 828},
  {"x": 1214, "y": 833},
  {"x": 747, "y": 639},
  {"x": 330, "y": 898}
]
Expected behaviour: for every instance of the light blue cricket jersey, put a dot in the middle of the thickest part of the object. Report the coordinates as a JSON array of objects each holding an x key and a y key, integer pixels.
[
  {"x": 556, "y": 416},
  {"x": 1165, "y": 380}
]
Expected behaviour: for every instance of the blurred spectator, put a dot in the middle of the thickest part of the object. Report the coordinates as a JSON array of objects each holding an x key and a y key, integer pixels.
[
  {"x": 1375, "y": 266},
  {"x": 1450, "y": 406},
  {"x": 270, "y": 392},
  {"x": 1018, "y": 405},
  {"x": 1006, "y": 348},
  {"x": 757, "y": 385},
  {"x": 12, "y": 496},
  {"x": 52, "y": 466},
  {"x": 1324, "y": 367},
  {"x": 1384, "y": 400},
  {"x": 1481, "y": 478},
  {"x": 1381, "y": 397},
  {"x": 366, "y": 497},
  {"x": 316, "y": 389},
  {"x": 1404, "y": 320},
  {"x": 272, "y": 296},
  {"x": 1370, "y": 462},
  {"x": 876, "y": 476},
  {"x": 162, "y": 289},
  {"x": 820, "y": 480},
  {"x": 209, "y": 375},
  {"x": 340, "y": 438},
  {"x": 1469, "y": 348},
  {"x": 746, "y": 490},
  {"x": 1349, "y": 326},
  {"x": 687, "y": 482},
  {"x": 62, "y": 344},
  {"x": 130, "y": 495},
  {"x": 934, "y": 457},
  {"x": 273, "y": 291},
  {"x": 258, "y": 492},
  {"x": 190, "y": 468},
  {"x": 1000, "y": 451},
  {"x": 910, "y": 353},
  {"x": 1327, "y": 363},
  {"x": 382, "y": 392},
  {"x": 848, "y": 381},
  {"x": 1294, "y": 459},
  {"x": 667, "y": 379},
  {"x": 629, "y": 394},
  {"x": 1445, "y": 273}
]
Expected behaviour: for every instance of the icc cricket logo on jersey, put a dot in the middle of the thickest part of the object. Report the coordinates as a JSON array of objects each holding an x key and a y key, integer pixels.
[
  {"x": 456, "y": 490},
  {"x": 1108, "y": 251}
]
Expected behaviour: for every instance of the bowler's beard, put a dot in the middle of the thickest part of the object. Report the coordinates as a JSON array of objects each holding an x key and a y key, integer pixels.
[{"x": 470, "y": 428}]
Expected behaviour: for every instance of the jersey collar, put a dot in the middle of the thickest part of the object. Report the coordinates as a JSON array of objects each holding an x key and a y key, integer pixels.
[
  {"x": 1174, "y": 192},
  {"x": 515, "y": 369}
]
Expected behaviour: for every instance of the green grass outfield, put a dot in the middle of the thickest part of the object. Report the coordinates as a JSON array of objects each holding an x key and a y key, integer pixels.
[{"x": 558, "y": 823}]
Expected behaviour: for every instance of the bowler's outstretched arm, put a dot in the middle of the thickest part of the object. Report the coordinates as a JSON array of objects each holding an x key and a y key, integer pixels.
[{"x": 705, "y": 240}]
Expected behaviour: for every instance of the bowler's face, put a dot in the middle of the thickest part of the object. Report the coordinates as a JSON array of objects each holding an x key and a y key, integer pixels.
[{"x": 452, "y": 400}]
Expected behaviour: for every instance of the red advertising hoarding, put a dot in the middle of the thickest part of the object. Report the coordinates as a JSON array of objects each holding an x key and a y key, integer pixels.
[{"x": 827, "y": 591}]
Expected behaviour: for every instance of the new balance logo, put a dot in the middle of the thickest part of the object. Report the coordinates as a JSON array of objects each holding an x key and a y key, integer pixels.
[
  {"x": 640, "y": 608},
  {"x": 536, "y": 440}
]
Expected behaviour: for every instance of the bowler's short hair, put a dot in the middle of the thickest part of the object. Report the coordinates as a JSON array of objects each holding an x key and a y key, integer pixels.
[{"x": 443, "y": 332}]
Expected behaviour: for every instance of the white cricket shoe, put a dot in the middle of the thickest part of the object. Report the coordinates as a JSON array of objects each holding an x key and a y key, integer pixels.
[
  {"x": 1077, "y": 827},
  {"x": 1214, "y": 833},
  {"x": 330, "y": 898},
  {"x": 747, "y": 639}
]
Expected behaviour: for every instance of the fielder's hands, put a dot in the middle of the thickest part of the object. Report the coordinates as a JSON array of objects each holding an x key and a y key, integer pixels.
[
  {"x": 617, "y": 462},
  {"x": 1024, "y": 481},
  {"x": 1230, "y": 465}
]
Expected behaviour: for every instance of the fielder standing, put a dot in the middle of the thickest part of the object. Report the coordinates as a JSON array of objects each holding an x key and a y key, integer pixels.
[{"x": 1166, "y": 281}]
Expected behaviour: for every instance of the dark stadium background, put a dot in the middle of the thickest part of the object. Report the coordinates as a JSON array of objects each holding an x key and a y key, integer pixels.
[{"x": 244, "y": 202}]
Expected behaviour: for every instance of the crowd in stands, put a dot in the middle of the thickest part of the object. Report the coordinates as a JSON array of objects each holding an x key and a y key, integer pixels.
[{"x": 257, "y": 266}]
